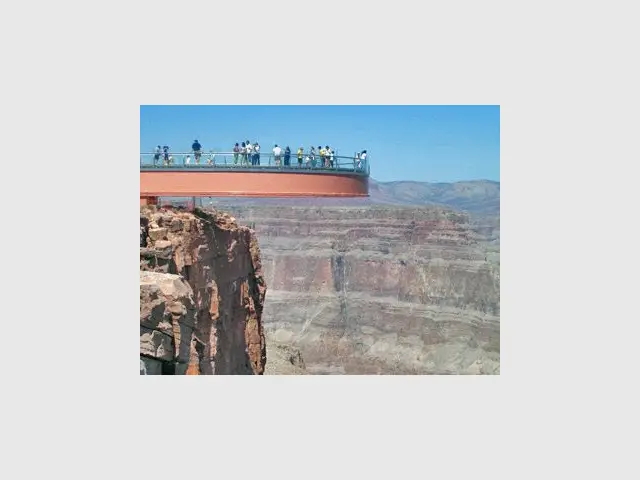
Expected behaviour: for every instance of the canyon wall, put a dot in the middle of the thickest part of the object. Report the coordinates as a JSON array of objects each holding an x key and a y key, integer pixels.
[
  {"x": 381, "y": 289},
  {"x": 201, "y": 295}
]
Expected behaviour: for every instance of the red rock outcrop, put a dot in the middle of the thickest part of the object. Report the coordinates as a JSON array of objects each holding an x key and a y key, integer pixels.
[{"x": 201, "y": 285}]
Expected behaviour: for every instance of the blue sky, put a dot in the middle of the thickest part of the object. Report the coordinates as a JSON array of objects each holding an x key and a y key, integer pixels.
[{"x": 406, "y": 142}]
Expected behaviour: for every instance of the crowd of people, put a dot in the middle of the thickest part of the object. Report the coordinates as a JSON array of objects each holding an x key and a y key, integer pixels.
[{"x": 248, "y": 154}]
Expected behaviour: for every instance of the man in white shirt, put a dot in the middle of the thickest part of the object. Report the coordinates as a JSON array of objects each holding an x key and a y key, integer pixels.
[
  {"x": 249, "y": 153},
  {"x": 277, "y": 151}
]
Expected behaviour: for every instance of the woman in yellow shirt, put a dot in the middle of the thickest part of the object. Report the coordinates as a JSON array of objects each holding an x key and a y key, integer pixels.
[{"x": 300, "y": 154}]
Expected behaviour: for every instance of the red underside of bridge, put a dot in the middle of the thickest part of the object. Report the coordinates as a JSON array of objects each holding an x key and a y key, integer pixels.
[{"x": 155, "y": 184}]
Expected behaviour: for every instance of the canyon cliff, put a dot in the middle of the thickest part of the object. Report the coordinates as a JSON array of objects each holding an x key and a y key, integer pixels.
[
  {"x": 406, "y": 281},
  {"x": 201, "y": 295},
  {"x": 378, "y": 289}
]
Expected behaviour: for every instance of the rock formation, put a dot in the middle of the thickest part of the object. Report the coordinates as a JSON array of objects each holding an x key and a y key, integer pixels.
[
  {"x": 167, "y": 323},
  {"x": 395, "y": 283},
  {"x": 284, "y": 359},
  {"x": 381, "y": 289},
  {"x": 201, "y": 295}
]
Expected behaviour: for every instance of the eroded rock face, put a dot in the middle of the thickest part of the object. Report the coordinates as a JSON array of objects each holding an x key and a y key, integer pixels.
[
  {"x": 167, "y": 322},
  {"x": 380, "y": 289},
  {"x": 201, "y": 278}
]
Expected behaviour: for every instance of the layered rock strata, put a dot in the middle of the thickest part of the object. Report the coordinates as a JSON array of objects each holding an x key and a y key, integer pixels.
[{"x": 381, "y": 289}]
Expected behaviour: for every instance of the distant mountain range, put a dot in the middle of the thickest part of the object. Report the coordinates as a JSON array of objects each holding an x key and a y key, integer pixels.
[{"x": 478, "y": 197}]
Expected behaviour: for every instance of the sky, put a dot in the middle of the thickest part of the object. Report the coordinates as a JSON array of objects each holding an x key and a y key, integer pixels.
[{"x": 429, "y": 143}]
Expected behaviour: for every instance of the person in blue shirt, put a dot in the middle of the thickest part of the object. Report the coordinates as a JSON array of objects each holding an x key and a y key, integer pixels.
[{"x": 196, "y": 147}]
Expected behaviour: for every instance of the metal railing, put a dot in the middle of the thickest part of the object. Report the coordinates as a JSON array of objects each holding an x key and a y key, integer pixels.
[{"x": 264, "y": 162}]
